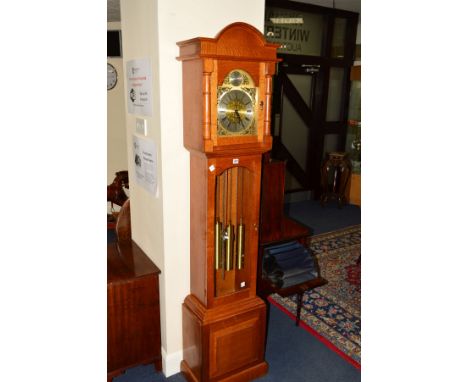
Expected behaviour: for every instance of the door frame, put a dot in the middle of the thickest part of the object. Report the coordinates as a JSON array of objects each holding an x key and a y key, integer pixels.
[{"x": 311, "y": 180}]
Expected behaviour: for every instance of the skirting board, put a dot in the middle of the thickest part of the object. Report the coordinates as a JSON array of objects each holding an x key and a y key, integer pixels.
[{"x": 171, "y": 362}]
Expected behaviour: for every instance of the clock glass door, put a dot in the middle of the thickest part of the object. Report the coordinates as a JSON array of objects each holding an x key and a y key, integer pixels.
[{"x": 233, "y": 230}]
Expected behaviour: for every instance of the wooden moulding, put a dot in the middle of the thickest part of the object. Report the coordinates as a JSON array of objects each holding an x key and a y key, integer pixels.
[{"x": 239, "y": 41}]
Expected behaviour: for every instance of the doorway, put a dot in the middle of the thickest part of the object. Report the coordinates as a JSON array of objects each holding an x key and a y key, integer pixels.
[{"x": 311, "y": 88}]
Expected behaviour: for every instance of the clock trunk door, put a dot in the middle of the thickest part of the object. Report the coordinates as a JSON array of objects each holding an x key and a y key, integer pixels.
[{"x": 235, "y": 228}]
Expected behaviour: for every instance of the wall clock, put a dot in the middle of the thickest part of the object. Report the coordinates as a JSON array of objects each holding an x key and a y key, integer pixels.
[
  {"x": 111, "y": 76},
  {"x": 227, "y": 88}
]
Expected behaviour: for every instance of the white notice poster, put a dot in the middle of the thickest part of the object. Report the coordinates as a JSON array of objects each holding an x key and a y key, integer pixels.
[
  {"x": 139, "y": 99},
  {"x": 144, "y": 158}
]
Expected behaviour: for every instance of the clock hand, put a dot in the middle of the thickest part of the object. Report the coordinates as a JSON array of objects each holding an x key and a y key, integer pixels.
[{"x": 238, "y": 115}]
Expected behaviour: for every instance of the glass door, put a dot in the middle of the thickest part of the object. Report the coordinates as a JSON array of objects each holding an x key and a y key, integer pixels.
[
  {"x": 311, "y": 88},
  {"x": 295, "y": 128}
]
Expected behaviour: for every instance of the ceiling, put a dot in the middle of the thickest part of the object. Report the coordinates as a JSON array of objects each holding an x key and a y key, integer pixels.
[{"x": 113, "y": 6}]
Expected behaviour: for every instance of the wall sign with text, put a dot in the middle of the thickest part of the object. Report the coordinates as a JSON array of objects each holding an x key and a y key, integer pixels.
[
  {"x": 145, "y": 162},
  {"x": 139, "y": 99}
]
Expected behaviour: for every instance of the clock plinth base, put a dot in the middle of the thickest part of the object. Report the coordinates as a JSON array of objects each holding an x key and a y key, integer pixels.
[
  {"x": 225, "y": 343},
  {"x": 248, "y": 374},
  {"x": 245, "y": 375}
]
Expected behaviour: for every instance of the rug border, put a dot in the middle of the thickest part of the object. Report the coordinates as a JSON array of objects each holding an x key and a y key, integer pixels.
[
  {"x": 338, "y": 231},
  {"x": 322, "y": 339}
]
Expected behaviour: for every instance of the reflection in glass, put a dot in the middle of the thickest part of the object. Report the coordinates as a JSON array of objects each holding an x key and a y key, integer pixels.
[
  {"x": 338, "y": 41},
  {"x": 290, "y": 182},
  {"x": 232, "y": 218},
  {"x": 335, "y": 94},
  {"x": 294, "y": 133},
  {"x": 353, "y": 145},
  {"x": 298, "y": 32},
  {"x": 330, "y": 144},
  {"x": 355, "y": 101},
  {"x": 353, "y": 134},
  {"x": 303, "y": 84}
]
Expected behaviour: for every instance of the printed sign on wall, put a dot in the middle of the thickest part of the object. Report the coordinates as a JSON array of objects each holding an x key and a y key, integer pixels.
[
  {"x": 139, "y": 100},
  {"x": 144, "y": 159}
]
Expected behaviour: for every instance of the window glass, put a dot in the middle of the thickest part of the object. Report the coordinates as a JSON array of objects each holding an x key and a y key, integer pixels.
[
  {"x": 303, "y": 84},
  {"x": 330, "y": 144},
  {"x": 335, "y": 94},
  {"x": 338, "y": 41},
  {"x": 298, "y": 32},
  {"x": 294, "y": 133}
]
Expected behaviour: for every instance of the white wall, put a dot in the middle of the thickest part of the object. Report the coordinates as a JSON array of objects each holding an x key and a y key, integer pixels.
[
  {"x": 116, "y": 131},
  {"x": 161, "y": 225}
]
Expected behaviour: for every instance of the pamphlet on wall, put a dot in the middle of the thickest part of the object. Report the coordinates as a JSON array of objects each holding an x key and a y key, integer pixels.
[
  {"x": 145, "y": 160},
  {"x": 139, "y": 100}
]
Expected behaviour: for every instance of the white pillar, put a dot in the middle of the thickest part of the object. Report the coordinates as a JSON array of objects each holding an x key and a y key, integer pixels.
[{"x": 160, "y": 225}]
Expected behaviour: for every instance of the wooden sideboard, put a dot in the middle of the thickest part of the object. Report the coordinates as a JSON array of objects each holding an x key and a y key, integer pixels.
[{"x": 133, "y": 316}]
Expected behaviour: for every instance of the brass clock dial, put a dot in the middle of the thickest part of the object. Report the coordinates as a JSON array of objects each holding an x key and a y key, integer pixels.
[
  {"x": 235, "y": 78},
  {"x": 237, "y": 105},
  {"x": 235, "y": 111}
]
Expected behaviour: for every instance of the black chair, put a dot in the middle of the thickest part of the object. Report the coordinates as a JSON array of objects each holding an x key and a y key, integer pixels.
[{"x": 289, "y": 268}]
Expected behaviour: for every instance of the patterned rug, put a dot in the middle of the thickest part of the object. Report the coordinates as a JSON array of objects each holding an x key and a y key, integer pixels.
[{"x": 332, "y": 313}]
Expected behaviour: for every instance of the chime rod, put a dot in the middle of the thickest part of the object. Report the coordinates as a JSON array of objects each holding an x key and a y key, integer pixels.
[
  {"x": 226, "y": 238},
  {"x": 241, "y": 226},
  {"x": 218, "y": 243},
  {"x": 218, "y": 228},
  {"x": 229, "y": 227}
]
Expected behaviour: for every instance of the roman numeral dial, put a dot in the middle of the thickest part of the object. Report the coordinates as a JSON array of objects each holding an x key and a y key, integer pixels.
[
  {"x": 235, "y": 111},
  {"x": 237, "y": 104}
]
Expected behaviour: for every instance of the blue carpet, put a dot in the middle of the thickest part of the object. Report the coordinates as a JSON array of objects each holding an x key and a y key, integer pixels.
[
  {"x": 323, "y": 219},
  {"x": 295, "y": 355},
  {"x": 147, "y": 374},
  {"x": 292, "y": 353}
]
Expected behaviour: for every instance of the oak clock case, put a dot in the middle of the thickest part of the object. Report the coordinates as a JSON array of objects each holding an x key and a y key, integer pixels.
[{"x": 227, "y": 88}]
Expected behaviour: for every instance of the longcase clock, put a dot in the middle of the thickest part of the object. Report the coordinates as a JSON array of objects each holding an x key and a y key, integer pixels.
[{"x": 227, "y": 89}]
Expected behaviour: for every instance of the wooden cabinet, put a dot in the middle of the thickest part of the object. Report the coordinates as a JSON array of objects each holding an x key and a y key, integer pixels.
[
  {"x": 274, "y": 225},
  {"x": 133, "y": 316},
  {"x": 354, "y": 192}
]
